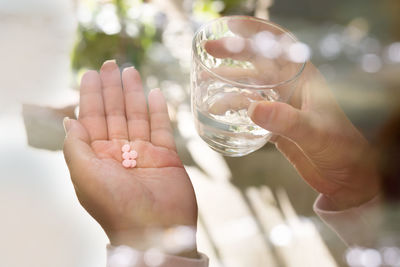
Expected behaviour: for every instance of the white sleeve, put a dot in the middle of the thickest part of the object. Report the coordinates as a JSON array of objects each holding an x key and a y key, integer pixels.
[
  {"x": 124, "y": 256},
  {"x": 356, "y": 226}
]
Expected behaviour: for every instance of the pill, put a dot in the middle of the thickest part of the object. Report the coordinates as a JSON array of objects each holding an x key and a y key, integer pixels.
[
  {"x": 126, "y": 155},
  {"x": 127, "y": 163},
  {"x": 126, "y": 148},
  {"x": 133, "y": 154},
  {"x": 133, "y": 163}
]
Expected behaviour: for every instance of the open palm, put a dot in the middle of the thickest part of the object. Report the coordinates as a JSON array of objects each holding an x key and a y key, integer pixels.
[{"x": 157, "y": 193}]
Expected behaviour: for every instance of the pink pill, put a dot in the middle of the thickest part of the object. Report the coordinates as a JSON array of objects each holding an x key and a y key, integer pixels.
[
  {"x": 126, "y": 148},
  {"x": 133, "y": 163},
  {"x": 126, "y": 155},
  {"x": 127, "y": 163},
  {"x": 133, "y": 154}
]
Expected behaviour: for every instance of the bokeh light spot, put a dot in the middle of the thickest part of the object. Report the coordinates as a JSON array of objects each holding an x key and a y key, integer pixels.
[
  {"x": 281, "y": 235},
  {"x": 299, "y": 52},
  {"x": 371, "y": 63}
]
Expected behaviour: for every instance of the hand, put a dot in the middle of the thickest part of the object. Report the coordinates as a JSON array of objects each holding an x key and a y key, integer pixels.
[
  {"x": 312, "y": 131},
  {"x": 322, "y": 144},
  {"x": 128, "y": 203}
]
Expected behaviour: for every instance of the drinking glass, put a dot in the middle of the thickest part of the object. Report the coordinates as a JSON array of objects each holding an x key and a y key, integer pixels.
[{"x": 238, "y": 60}]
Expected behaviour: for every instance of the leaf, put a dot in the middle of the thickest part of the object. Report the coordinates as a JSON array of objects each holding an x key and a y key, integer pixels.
[{"x": 44, "y": 127}]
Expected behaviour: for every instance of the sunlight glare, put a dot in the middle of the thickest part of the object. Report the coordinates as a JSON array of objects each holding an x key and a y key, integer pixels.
[
  {"x": 281, "y": 235},
  {"x": 107, "y": 20}
]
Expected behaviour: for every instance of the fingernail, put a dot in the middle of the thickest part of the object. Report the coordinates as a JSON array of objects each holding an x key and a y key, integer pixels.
[
  {"x": 259, "y": 116},
  {"x": 66, "y": 124},
  {"x": 155, "y": 90},
  {"x": 110, "y": 61},
  {"x": 128, "y": 68},
  {"x": 109, "y": 65}
]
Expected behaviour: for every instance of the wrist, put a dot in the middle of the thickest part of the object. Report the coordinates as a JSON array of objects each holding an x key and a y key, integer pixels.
[
  {"x": 347, "y": 199},
  {"x": 364, "y": 185},
  {"x": 177, "y": 241}
]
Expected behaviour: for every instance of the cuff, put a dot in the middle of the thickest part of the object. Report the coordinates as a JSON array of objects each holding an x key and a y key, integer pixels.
[
  {"x": 356, "y": 226},
  {"x": 124, "y": 256}
]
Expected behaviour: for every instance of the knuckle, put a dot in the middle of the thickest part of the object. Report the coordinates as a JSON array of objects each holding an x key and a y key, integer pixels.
[
  {"x": 296, "y": 121},
  {"x": 287, "y": 120}
]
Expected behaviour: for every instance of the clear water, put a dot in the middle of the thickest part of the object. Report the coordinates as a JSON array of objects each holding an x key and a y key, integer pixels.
[{"x": 222, "y": 120}]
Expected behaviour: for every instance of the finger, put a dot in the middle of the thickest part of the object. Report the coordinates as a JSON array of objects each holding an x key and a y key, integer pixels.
[
  {"x": 245, "y": 76},
  {"x": 283, "y": 119},
  {"x": 317, "y": 91},
  {"x": 248, "y": 76},
  {"x": 91, "y": 107},
  {"x": 113, "y": 101},
  {"x": 135, "y": 105},
  {"x": 77, "y": 150},
  {"x": 231, "y": 47},
  {"x": 249, "y": 27},
  {"x": 223, "y": 102},
  {"x": 161, "y": 130},
  {"x": 268, "y": 68},
  {"x": 303, "y": 165}
]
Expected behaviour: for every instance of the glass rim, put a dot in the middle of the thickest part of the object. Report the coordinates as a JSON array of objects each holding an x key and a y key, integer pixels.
[{"x": 249, "y": 86}]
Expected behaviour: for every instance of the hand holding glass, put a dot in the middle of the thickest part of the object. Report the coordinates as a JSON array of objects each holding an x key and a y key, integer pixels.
[{"x": 236, "y": 61}]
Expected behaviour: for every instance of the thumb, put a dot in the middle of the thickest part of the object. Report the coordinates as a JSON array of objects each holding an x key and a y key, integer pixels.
[
  {"x": 282, "y": 119},
  {"x": 77, "y": 149}
]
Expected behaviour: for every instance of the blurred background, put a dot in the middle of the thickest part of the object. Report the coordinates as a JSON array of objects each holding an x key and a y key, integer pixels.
[{"x": 254, "y": 210}]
